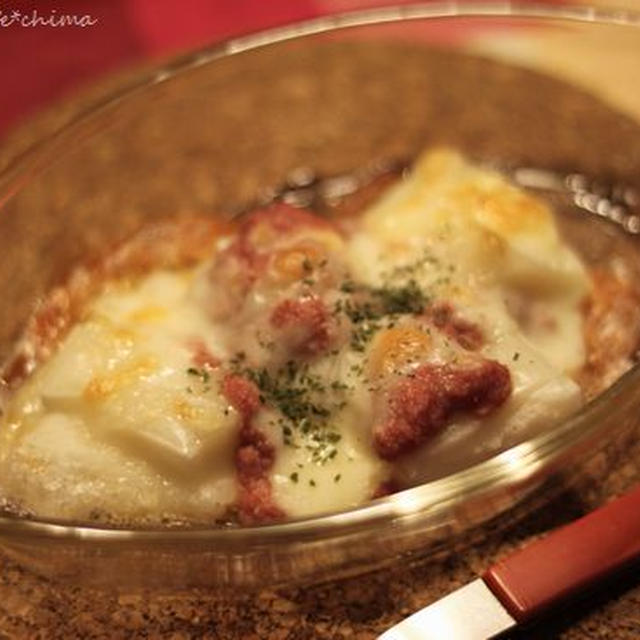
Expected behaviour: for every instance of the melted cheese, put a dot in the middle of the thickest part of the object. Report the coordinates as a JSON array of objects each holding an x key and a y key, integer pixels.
[
  {"x": 115, "y": 421},
  {"x": 481, "y": 241},
  {"x": 118, "y": 420},
  {"x": 490, "y": 236}
]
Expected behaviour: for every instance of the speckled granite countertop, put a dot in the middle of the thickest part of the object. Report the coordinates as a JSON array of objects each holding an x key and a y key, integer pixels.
[{"x": 360, "y": 608}]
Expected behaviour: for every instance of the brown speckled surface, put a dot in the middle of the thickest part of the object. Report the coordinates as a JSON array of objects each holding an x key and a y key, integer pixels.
[
  {"x": 362, "y": 607},
  {"x": 31, "y": 607}
]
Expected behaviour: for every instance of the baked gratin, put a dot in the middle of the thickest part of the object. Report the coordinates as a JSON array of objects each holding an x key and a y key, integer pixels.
[{"x": 289, "y": 364}]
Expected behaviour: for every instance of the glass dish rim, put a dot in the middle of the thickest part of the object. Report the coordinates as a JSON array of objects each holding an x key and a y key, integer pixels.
[{"x": 521, "y": 461}]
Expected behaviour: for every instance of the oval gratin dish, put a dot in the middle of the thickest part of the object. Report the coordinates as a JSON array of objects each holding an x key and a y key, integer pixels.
[{"x": 213, "y": 131}]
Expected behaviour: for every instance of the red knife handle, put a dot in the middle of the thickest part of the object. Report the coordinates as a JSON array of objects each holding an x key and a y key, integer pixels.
[{"x": 569, "y": 559}]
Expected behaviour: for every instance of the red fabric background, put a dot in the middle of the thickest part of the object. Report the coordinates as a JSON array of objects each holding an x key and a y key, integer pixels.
[{"x": 40, "y": 64}]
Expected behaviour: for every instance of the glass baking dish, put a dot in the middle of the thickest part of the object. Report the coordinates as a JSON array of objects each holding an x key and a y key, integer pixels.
[{"x": 210, "y": 131}]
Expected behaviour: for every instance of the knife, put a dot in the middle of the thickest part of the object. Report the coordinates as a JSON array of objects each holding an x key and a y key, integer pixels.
[{"x": 531, "y": 581}]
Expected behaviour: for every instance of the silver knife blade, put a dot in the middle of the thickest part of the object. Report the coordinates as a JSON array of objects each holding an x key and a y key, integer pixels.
[{"x": 469, "y": 613}]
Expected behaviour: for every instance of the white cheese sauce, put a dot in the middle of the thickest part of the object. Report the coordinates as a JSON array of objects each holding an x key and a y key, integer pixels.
[{"x": 119, "y": 421}]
